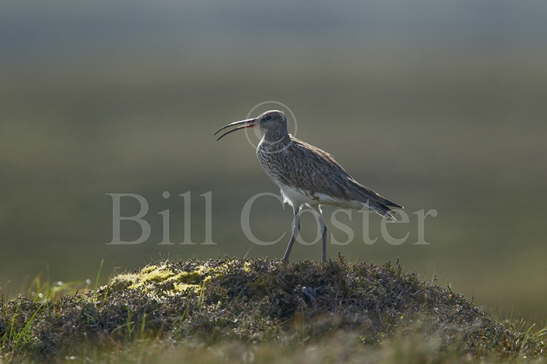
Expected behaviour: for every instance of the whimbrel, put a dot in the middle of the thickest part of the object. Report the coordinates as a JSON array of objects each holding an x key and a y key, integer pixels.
[{"x": 307, "y": 175}]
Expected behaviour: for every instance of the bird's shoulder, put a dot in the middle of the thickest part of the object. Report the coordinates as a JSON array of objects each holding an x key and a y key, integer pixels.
[{"x": 314, "y": 155}]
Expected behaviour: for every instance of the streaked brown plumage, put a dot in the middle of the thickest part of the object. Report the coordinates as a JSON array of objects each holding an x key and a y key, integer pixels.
[
  {"x": 309, "y": 168},
  {"x": 307, "y": 175}
]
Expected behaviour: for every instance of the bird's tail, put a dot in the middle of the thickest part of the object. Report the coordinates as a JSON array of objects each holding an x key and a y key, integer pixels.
[
  {"x": 383, "y": 208},
  {"x": 377, "y": 202}
]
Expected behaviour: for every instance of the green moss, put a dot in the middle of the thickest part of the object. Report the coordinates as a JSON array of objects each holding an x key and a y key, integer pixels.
[
  {"x": 158, "y": 280},
  {"x": 247, "y": 267},
  {"x": 166, "y": 280}
]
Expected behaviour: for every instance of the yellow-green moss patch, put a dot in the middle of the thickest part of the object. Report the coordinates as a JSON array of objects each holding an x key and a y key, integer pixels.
[{"x": 167, "y": 280}]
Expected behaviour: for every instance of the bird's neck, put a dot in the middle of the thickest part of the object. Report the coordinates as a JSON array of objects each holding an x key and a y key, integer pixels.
[{"x": 276, "y": 136}]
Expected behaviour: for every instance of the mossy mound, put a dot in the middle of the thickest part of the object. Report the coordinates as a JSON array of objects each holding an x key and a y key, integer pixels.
[{"x": 254, "y": 301}]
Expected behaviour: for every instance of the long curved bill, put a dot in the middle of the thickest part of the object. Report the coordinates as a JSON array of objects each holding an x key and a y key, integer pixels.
[{"x": 243, "y": 124}]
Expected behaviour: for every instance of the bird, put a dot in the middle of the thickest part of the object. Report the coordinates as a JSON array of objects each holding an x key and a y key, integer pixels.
[{"x": 306, "y": 175}]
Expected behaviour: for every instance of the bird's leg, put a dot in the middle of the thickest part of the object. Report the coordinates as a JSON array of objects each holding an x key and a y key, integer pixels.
[
  {"x": 324, "y": 235},
  {"x": 295, "y": 231}
]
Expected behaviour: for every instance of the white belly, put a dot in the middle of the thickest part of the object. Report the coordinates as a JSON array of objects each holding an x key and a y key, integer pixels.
[
  {"x": 294, "y": 196},
  {"x": 297, "y": 197}
]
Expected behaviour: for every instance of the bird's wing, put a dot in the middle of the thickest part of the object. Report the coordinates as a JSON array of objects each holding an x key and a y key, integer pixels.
[{"x": 317, "y": 171}]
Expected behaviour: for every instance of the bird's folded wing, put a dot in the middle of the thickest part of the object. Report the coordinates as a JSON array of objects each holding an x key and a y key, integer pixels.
[{"x": 317, "y": 171}]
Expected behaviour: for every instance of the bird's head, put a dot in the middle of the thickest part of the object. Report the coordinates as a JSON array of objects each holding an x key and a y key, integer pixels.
[{"x": 271, "y": 121}]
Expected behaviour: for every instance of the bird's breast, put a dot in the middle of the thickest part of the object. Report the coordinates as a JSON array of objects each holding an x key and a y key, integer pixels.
[{"x": 273, "y": 163}]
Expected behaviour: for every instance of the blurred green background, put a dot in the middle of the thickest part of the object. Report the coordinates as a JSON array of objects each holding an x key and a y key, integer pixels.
[{"x": 437, "y": 105}]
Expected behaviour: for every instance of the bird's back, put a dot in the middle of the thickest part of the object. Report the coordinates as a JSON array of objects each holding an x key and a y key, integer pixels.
[{"x": 300, "y": 165}]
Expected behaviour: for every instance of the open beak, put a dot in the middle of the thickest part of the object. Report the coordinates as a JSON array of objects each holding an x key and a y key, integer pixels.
[{"x": 243, "y": 124}]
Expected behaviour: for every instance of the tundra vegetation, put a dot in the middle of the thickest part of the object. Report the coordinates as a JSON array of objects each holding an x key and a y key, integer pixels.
[{"x": 259, "y": 310}]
